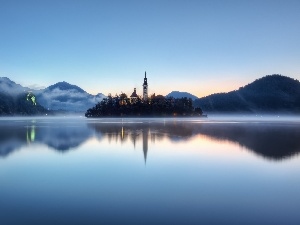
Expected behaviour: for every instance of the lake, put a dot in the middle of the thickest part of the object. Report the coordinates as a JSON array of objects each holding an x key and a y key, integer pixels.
[{"x": 73, "y": 170}]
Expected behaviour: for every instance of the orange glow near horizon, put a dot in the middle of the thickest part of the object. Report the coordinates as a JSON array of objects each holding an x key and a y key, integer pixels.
[
  {"x": 201, "y": 145},
  {"x": 198, "y": 88}
]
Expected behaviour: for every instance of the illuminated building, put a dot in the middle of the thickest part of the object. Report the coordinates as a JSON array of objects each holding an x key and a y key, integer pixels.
[
  {"x": 134, "y": 97},
  {"x": 145, "y": 88}
]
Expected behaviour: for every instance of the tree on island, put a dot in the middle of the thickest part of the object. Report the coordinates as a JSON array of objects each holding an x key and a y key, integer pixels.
[{"x": 156, "y": 105}]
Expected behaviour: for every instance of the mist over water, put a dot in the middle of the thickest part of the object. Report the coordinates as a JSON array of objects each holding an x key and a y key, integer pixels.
[{"x": 220, "y": 169}]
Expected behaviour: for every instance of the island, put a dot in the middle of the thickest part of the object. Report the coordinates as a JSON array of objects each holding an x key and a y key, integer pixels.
[
  {"x": 143, "y": 106},
  {"x": 156, "y": 106}
]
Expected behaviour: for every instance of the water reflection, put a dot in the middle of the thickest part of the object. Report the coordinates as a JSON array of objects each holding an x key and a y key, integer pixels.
[
  {"x": 144, "y": 131},
  {"x": 126, "y": 131},
  {"x": 60, "y": 136},
  {"x": 30, "y": 134},
  {"x": 275, "y": 141}
]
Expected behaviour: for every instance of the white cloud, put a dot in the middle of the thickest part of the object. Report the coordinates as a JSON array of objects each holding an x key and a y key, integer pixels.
[
  {"x": 36, "y": 87},
  {"x": 69, "y": 100}
]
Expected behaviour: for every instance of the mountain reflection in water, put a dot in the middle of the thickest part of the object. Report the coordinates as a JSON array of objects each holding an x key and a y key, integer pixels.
[
  {"x": 59, "y": 135},
  {"x": 272, "y": 140}
]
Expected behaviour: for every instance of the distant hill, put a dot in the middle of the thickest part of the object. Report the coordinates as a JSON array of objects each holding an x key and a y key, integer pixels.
[
  {"x": 270, "y": 94},
  {"x": 179, "y": 94},
  {"x": 67, "y": 97},
  {"x": 64, "y": 86}
]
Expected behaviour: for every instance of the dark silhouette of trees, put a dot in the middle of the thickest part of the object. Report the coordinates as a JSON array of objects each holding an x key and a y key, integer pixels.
[
  {"x": 270, "y": 94},
  {"x": 157, "y": 105}
]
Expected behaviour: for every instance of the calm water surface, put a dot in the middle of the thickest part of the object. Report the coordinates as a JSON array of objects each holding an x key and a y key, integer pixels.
[{"x": 149, "y": 171}]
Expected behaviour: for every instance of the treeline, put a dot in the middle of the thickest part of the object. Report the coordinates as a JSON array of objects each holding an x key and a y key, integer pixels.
[{"x": 121, "y": 105}]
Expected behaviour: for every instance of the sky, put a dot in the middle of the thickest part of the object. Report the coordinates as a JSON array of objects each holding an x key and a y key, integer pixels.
[{"x": 201, "y": 47}]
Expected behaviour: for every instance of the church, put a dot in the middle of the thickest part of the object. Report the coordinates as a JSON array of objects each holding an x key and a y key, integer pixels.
[{"x": 134, "y": 97}]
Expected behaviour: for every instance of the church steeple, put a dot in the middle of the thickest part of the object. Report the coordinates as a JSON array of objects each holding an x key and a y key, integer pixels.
[
  {"x": 145, "y": 88},
  {"x": 145, "y": 143}
]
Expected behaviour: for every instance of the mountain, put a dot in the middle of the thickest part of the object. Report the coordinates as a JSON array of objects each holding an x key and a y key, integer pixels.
[
  {"x": 61, "y": 96},
  {"x": 64, "y": 86},
  {"x": 20, "y": 105},
  {"x": 67, "y": 97},
  {"x": 179, "y": 94},
  {"x": 269, "y": 94},
  {"x": 14, "y": 100},
  {"x": 9, "y": 87}
]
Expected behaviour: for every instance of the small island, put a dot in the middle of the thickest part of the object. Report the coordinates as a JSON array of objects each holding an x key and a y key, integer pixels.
[{"x": 136, "y": 106}]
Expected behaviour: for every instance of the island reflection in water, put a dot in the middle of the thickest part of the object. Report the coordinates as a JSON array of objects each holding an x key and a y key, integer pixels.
[{"x": 272, "y": 140}]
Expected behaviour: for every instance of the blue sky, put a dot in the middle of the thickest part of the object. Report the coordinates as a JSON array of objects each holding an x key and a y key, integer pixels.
[{"x": 201, "y": 47}]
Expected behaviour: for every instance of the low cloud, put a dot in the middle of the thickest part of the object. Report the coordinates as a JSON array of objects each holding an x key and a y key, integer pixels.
[
  {"x": 36, "y": 87},
  {"x": 9, "y": 87},
  {"x": 69, "y": 100}
]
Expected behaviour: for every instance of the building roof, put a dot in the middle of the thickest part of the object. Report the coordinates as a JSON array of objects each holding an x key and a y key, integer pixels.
[{"x": 134, "y": 95}]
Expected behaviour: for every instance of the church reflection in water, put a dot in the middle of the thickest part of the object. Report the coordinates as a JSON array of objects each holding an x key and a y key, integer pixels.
[
  {"x": 145, "y": 132},
  {"x": 123, "y": 133},
  {"x": 145, "y": 145}
]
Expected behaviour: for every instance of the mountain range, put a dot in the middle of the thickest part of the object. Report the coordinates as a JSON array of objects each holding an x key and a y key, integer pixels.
[
  {"x": 269, "y": 94},
  {"x": 61, "y": 96}
]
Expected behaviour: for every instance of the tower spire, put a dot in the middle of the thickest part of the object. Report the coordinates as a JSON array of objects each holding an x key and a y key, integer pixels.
[{"x": 145, "y": 88}]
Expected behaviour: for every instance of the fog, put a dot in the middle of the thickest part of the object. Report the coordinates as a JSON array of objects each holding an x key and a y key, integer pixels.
[
  {"x": 254, "y": 117},
  {"x": 209, "y": 118}
]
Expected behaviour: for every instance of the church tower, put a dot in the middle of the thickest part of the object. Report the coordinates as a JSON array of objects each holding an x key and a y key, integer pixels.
[{"x": 145, "y": 88}]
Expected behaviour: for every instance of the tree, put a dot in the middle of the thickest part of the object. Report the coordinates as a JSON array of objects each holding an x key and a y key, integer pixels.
[{"x": 120, "y": 105}]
